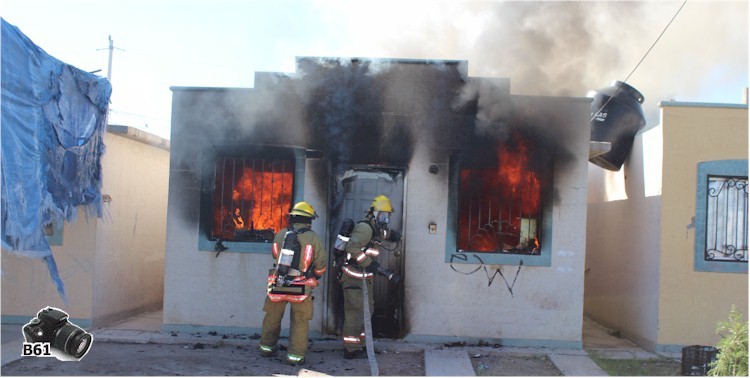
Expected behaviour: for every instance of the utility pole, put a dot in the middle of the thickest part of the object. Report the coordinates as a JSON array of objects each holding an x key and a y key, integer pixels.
[
  {"x": 111, "y": 49},
  {"x": 109, "y": 65},
  {"x": 109, "y": 69}
]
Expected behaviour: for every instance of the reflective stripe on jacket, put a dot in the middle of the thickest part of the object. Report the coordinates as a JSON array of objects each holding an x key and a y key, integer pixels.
[
  {"x": 360, "y": 273},
  {"x": 357, "y": 249},
  {"x": 313, "y": 259}
]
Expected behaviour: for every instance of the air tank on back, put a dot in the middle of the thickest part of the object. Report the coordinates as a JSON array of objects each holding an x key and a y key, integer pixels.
[{"x": 616, "y": 116}]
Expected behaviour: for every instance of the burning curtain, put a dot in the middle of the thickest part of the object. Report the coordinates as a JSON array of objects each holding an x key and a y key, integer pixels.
[{"x": 53, "y": 122}]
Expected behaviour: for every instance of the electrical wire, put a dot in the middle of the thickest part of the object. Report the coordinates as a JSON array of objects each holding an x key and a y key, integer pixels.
[
  {"x": 657, "y": 40},
  {"x": 593, "y": 115},
  {"x": 134, "y": 115}
]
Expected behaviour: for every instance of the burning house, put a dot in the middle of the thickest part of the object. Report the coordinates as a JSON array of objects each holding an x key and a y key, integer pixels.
[{"x": 489, "y": 190}]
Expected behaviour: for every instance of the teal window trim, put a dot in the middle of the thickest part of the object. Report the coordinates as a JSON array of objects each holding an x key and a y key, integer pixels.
[
  {"x": 56, "y": 239},
  {"x": 204, "y": 244},
  {"x": 455, "y": 256},
  {"x": 729, "y": 168}
]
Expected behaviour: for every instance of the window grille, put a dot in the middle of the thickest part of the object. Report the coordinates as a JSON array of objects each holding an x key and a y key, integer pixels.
[
  {"x": 500, "y": 205},
  {"x": 251, "y": 198},
  {"x": 726, "y": 220},
  {"x": 489, "y": 222}
]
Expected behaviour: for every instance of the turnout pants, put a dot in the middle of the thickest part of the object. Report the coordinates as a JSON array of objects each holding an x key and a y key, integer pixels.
[
  {"x": 354, "y": 311},
  {"x": 301, "y": 313}
]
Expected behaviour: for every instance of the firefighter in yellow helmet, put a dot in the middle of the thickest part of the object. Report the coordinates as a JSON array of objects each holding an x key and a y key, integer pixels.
[
  {"x": 359, "y": 268},
  {"x": 300, "y": 261}
]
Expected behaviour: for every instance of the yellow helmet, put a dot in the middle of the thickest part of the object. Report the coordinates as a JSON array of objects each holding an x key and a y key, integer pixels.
[
  {"x": 303, "y": 209},
  {"x": 382, "y": 203}
]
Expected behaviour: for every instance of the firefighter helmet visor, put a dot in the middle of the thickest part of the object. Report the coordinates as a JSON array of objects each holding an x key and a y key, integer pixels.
[{"x": 383, "y": 217}]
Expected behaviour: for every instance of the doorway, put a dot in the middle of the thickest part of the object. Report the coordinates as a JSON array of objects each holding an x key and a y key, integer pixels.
[{"x": 352, "y": 197}]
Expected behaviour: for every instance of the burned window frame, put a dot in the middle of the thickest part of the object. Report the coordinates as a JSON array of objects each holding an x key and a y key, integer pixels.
[
  {"x": 455, "y": 256},
  {"x": 706, "y": 170},
  {"x": 206, "y": 216}
]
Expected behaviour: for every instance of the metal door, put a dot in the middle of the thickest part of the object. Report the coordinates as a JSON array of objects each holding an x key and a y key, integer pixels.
[{"x": 356, "y": 189}]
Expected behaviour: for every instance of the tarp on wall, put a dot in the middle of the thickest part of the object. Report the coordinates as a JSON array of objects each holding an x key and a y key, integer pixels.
[{"x": 53, "y": 118}]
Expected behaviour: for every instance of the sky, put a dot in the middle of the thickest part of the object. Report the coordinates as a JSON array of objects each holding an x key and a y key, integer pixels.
[{"x": 546, "y": 48}]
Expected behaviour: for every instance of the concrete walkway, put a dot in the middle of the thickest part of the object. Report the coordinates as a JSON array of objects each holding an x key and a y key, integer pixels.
[
  {"x": 570, "y": 362},
  {"x": 456, "y": 363},
  {"x": 439, "y": 361},
  {"x": 447, "y": 362}
]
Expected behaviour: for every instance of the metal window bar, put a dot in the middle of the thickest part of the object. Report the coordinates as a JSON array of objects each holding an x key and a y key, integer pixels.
[
  {"x": 726, "y": 220},
  {"x": 242, "y": 200},
  {"x": 263, "y": 180},
  {"x": 499, "y": 226},
  {"x": 252, "y": 191}
]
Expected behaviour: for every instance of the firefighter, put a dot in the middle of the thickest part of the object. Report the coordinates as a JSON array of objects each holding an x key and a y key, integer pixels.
[
  {"x": 359, "y": 267},
  {"x": 300, "y": 262}
]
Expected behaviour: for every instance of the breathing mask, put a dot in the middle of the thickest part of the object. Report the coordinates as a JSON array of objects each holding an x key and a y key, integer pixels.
[{"x": 383, "y": 218}]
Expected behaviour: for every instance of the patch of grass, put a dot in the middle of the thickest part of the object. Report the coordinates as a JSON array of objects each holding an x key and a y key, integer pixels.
[
  {"x": 732, "y": 358},
  {"x": 639, "y": 367}
]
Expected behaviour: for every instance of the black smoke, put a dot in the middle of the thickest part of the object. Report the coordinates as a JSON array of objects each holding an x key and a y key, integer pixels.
[
  {"x": 372, "y": 112},
  {"x": 347, "y": 116}
]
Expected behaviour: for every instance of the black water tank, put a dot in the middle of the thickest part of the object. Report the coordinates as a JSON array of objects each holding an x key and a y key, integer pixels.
[{"x": 616, "y": 116}]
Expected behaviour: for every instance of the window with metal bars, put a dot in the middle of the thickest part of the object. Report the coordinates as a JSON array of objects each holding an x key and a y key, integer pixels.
[
  {"x": 251, "y": 198},
  {"x": 726, "y": 221},
  {"x": 499, "y": 213},
  {"x": 501, "y": 204},
  {"x": 721, "y": 216}
]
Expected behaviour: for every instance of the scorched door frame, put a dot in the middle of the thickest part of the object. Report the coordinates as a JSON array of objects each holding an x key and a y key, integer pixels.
[{"x": 333, "y": 321}]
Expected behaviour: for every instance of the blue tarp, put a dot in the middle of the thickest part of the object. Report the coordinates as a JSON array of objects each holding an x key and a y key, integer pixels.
[{"x": 53, "y": 118}]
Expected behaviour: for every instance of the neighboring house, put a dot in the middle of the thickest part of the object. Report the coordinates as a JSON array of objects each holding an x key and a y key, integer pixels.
[
  {"x": 657, "y": 229},
  {"x": 112, "y": 267},
  {"x": 489, "y": 189}
]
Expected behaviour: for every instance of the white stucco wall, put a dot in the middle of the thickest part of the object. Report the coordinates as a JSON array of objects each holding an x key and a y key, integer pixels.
[
  {"x": 26, "y": 283},
  {"x": 225, "y": 292},
  {"x": 204, "y": 292},
  {"x": 446, "y": 300},
  {"x": 622, "y": 250},
  {"x": 131, "y": 237},
  {"x": 112, "y": 266},
  {"x": 200, "y": 288}
]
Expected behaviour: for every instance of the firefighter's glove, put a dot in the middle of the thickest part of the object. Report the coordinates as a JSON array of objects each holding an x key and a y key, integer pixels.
[{"x": 338, "y": 261}]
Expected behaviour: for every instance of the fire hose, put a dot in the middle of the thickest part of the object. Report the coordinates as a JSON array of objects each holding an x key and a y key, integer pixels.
[{"x": 368, "y": 331}]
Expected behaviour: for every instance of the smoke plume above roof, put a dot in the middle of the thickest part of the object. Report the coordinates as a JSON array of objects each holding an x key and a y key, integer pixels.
[{"x": 568, "y": 48}]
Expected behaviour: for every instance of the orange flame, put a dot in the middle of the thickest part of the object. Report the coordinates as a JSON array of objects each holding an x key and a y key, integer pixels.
[
  {"x": 492, "y": 201},
  {"x": 518, "y": 182},
  {"x": 261, "y": 195}
]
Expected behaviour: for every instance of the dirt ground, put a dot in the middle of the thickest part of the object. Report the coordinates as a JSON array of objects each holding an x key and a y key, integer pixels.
[
  {"x": 497, "y": 363},
  {"x": 205, "y": 360},
  {"x": 105, "y": 359}
]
